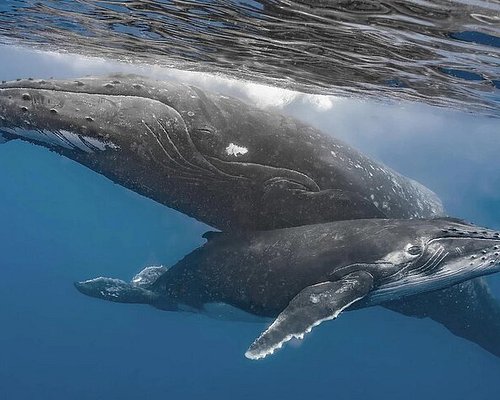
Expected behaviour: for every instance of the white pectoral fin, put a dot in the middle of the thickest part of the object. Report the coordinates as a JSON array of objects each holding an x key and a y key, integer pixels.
[{"x": 312, "y": 306}]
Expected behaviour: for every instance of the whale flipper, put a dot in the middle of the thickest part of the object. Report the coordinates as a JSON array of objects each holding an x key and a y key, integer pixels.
[
  {"x": 312, "y": 306},
  {"x": 468, "y": 310}
]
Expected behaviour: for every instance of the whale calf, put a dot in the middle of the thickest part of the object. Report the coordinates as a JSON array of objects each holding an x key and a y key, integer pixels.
[
  {"x": 306, "y": 275},
  {"x": 232, "y": 166}
]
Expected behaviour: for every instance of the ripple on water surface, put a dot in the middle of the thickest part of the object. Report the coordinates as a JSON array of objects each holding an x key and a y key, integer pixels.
[{"x": 441, "y": 52}]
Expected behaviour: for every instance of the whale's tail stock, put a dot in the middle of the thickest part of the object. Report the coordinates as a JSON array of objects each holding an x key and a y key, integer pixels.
[
  {"x": 114, "y": 290},
  {"x": 138, "y": 290},
  {"x": 468, "y": 310}
]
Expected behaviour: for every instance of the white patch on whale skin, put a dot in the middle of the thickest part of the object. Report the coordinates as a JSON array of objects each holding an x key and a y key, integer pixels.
[
  {"x": 110, "y": 287},
  {"x": 111, "y": 292},
  {"x": 62, "y": 138},
  {"x": 235, "y": 150}
]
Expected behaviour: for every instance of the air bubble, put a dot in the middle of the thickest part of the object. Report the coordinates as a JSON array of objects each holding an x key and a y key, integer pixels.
[
  {"x": 190, "y": 113},
  {"x": 109, "y": 85},
  {"x": 24, "y": 109},
  {"x": 88, "y": 118},
  {"x": 26, "y": 96},
  {"x": 53, "y": 111}
]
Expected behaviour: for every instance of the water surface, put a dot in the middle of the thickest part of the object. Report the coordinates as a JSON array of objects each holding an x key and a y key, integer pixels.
[{"x": 439, "y": 52}]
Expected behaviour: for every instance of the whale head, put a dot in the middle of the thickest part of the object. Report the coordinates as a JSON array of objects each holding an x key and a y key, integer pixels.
[
  {"x": 427, "y": 255},
  {"x": 82, "y": 116}
]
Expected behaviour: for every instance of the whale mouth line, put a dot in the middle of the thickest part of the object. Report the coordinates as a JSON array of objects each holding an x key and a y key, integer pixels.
[
  {"x": 59, "y": 138},
  {"x": 189, "y": 165}
]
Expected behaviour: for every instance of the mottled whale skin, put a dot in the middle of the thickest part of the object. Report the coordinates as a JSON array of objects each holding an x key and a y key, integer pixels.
[
  {"x": 214, "y": 158},
  {"x": 232, "y": 166},
  {"x": 305, "y": 275}
]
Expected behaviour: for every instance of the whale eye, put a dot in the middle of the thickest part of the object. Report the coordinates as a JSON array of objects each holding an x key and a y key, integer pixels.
[{"x": 414, "y": 250}]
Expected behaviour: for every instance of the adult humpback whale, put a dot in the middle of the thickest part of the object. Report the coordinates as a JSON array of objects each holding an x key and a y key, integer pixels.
[
  {"x": 305, "y": 275},
  {"x": 211, "y": 157},
  {"x": 232, "y": 166}
]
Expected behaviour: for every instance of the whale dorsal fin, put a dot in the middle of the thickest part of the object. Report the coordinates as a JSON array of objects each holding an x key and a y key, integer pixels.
[{"x": 312, "y": 306}]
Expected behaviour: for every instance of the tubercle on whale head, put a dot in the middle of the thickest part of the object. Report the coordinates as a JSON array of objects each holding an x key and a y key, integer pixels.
[
  {"x": 88, "y": 84},
  {"x": 81, "y": 121},
  {"x": 100, "y": 107}
]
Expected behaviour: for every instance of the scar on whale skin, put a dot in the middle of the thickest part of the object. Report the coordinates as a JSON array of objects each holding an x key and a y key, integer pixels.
[{"x": 235, "y": 150}]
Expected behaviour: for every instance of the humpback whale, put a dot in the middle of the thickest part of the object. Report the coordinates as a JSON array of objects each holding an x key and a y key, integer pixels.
[
  {"x": 306, "y": 275},
  {"x": 212, "y": 157},
  {"x": 232, "y": 166}
]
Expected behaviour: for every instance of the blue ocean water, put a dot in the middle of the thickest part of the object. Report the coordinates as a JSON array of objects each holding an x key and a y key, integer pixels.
[{"x": 60, "y": 222}]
